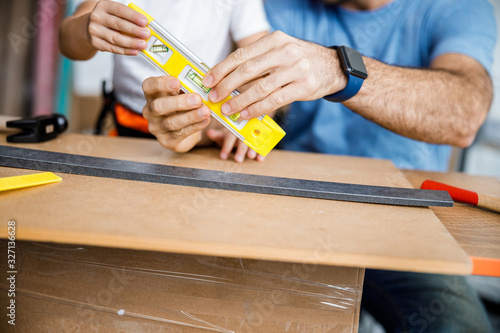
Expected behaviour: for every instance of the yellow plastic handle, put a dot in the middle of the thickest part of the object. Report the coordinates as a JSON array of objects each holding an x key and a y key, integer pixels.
[{"x": 16, "y": 182}]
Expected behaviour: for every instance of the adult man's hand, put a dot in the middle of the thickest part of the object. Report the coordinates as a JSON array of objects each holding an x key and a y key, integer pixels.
[
  {"x": 285, "y": 68},
  {"x": 443, "y": 104}
]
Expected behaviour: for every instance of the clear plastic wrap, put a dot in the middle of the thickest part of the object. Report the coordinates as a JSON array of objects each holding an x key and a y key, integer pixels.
[{"x": 69, "y": 288}]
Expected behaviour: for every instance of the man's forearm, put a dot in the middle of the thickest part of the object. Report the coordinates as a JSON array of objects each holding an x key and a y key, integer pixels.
[{"x": 445, "y": 105}]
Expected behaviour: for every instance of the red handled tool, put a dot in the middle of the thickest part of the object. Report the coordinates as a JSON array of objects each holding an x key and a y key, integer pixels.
[{"x": 465, "y": 196}]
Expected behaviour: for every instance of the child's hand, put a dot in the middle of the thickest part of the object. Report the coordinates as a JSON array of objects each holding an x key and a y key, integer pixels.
[
  {"x": 227, "y": 141},
  {"x": 175, "y": 119},
  {"x": 114, "y": 27}
]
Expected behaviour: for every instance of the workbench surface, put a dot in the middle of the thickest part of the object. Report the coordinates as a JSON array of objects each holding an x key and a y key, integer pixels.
[{"x": 148, "y": 216}]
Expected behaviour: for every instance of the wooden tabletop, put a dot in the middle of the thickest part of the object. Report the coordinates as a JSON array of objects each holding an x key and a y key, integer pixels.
[
  {"x": 475, "y": 229},
  {"x": 149, "y": 216}
]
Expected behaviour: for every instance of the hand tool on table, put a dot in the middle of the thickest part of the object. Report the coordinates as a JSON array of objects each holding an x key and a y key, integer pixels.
[
  {"x": 465, "y": 196},
  {"x": 156, "y": 173},
  {"x": 35, "y": 129}
]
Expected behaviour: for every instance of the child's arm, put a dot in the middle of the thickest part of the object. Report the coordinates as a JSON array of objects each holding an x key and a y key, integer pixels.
[{"x": 99, "y": 26}]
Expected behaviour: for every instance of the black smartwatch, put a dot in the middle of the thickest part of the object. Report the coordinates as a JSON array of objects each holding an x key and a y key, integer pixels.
[{"x": 353, "y": 66}]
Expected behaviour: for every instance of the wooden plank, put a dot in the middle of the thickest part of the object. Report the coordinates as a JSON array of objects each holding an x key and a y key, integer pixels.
[
  {"x": 476, "y": 230},
  {"x": 136, "y": 215}
]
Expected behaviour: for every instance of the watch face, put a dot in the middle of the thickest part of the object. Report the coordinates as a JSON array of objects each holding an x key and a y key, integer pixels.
[{"x": 354, "y": 62}]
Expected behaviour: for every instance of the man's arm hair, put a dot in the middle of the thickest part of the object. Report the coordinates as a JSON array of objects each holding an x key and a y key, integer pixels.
[{"x": 445, "y": 104}]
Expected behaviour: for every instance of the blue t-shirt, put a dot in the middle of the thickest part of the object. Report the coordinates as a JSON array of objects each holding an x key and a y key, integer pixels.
[{"x": 406, "y": 33}]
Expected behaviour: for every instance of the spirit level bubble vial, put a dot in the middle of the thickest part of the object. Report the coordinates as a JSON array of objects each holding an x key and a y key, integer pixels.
[{"x": 172, "y": 58}]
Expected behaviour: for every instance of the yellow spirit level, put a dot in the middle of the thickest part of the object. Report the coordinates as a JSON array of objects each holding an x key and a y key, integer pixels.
[{"x": 171, "y": 57}]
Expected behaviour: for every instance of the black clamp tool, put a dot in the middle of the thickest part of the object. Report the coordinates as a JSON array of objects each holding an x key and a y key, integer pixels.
[{"x": 37, "y": 129}]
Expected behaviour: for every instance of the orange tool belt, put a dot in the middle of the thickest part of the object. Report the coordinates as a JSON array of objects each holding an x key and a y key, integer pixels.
[
  {"x": 126, "y": 122},
  {"x": 130, "y": 119}
]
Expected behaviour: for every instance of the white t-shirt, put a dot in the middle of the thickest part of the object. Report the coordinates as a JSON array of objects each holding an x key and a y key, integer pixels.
[{"x": 207, "y": 27}]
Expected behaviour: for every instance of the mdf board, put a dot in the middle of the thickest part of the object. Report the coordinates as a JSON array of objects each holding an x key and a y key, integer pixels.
[
  {"x": 476, "y": 230},
  {"x": 148, "y": 216},
  {"x": 74, "y": 288}
]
